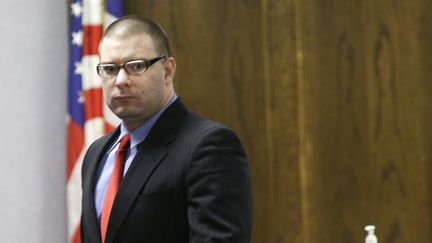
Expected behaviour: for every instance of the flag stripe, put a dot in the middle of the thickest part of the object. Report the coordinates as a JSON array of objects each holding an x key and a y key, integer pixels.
[
  {"x": 108, "y": 127},
  {"x": 74, "y": 144},
  {"x": 77, "y": 236},
  {"x": 93, "y": 104},
  {"x": 90, "y": 78},
  {"x": 92, "y": 36}
]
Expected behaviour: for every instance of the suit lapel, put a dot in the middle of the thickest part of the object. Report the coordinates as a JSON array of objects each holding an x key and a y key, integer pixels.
[
  {"x": 89, "y": 185},
  {"x": 151, "y": 153},
  {"x": 145, "y": 162}
]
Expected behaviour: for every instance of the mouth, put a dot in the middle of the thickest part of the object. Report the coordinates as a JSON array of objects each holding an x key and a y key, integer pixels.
[{"x": 123, "y": 97}]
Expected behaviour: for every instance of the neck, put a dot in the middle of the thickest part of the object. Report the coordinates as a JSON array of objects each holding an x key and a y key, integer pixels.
[{"x": 132, "y": 124}]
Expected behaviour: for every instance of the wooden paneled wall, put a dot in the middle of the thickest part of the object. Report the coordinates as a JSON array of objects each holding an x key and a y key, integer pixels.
[{"x": 332, "y": 100}]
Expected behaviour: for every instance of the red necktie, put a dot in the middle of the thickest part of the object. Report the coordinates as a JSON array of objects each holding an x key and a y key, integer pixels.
[{"x": 114, "y": 183}]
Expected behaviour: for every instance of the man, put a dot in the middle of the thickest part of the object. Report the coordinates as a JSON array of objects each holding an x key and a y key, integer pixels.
[{"x": 165, "y": 174}]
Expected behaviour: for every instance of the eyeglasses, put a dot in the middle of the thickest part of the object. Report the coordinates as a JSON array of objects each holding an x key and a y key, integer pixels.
[{"x": 134, "y": 67}]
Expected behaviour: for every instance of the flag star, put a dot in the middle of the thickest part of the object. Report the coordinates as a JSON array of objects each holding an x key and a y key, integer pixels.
[
  {"x": 78, "y": 68},
  {"x": 76, "y": 9},
  {"x": 77, "y": 38},
  {"x": 81, "y": 98}
]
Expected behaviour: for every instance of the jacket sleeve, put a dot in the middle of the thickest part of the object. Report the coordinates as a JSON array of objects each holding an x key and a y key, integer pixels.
[{"x": 219, "y": 189}]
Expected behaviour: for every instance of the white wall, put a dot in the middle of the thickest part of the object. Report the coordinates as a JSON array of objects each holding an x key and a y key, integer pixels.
[{"x": 33, "y": 83}]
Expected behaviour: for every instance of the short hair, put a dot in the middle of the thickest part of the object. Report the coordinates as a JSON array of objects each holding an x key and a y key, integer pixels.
[{"x": 136, "y": 24}]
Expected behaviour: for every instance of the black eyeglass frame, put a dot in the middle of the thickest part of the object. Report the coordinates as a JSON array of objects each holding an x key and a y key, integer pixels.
[{"x": 147, "y": 63}]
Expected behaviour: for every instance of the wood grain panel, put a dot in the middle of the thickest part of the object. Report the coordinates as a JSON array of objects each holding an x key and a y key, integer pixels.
[
  {"x": 334, "y": 71},
  {"x": 282, "y": 107},
  {"x": 396, "y": 131},
  {"x": 369, "y": 164}
]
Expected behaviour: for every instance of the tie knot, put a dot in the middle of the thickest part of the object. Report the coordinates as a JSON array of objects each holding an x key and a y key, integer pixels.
[{"x": 125, "y": 142}]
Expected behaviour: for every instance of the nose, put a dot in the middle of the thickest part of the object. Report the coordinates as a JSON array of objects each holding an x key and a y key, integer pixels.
[{"x": 122, "y": 79}]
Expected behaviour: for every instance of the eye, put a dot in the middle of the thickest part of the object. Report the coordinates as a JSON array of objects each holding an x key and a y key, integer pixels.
[
  {"x": 109, "y": 69},
  {"x": 137, "y": 66}
]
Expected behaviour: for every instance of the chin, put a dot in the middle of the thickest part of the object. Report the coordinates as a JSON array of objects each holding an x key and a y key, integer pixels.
[
  {"x": 122, "y": 113},
  {"x": 125, "y": 114}
]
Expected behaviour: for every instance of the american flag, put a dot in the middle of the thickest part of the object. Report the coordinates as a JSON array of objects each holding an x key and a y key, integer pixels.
[{"x": 88, "y": 117}]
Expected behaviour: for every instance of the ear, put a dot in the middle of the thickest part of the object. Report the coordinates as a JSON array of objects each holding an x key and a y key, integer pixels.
[{"x": 170, "y": 70}]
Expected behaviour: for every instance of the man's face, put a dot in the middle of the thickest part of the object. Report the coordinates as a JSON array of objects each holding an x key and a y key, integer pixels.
[{"x": 135, "y": 98}]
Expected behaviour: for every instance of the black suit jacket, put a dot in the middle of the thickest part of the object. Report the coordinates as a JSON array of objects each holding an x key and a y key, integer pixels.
[{"x": 189, "y": 182}]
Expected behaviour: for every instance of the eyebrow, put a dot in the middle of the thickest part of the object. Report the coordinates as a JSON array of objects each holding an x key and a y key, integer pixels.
[{"x": 131, "y": 60}]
